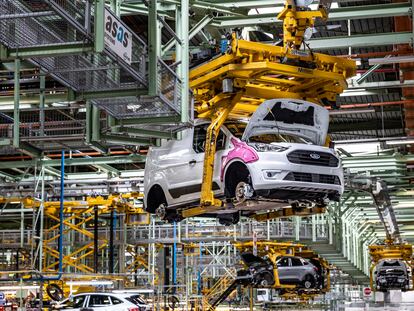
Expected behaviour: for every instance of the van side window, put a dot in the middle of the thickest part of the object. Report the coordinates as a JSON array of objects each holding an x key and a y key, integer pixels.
[{"x": 199, "y": 139}]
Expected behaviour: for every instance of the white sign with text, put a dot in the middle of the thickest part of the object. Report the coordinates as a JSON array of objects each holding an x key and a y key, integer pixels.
[{"x": 117, "y": 37}]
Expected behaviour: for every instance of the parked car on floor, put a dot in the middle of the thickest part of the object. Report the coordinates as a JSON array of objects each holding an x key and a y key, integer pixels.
[
  {"x": 278, "y": 157},
  {"x": 391, "y": 274},
  {"x": 103, "y": 302}
]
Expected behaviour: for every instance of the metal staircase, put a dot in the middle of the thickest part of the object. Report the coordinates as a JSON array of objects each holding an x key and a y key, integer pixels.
[
  {"x": 335, "y": 257},
  {"x": 222, "y": 288}
]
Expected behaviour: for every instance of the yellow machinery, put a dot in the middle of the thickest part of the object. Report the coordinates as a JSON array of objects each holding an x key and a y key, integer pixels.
[
  {"x": 274, "y": 250},
  {"x": 389, "y": 250},
  {"x": 271, "y": 250},
  {"x": 393, "y": 247},
  {"x": 234, "y": 84},
  {"x": 81, "y": 213}
]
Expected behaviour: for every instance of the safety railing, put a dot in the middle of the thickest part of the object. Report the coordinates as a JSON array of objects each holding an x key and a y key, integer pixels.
[
  {"x": 14, "y": 237},
  {"x": 209, "y": 232}
]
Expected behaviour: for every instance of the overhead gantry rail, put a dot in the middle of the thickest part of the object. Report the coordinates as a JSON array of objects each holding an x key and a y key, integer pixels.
[{"x": 248, "y": 73}]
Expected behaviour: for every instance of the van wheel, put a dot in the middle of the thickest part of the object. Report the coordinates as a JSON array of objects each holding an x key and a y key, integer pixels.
[
  {"x": 167, "y": 214},
  {"x": 237, "y": 177},
  {"x": 161, "y": 211},
  {"x": 309, "y": 282}
]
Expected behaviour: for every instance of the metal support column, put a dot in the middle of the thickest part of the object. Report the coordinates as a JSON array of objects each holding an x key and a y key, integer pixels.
[
  {"x": 111, "y": 242},
  {"x": 95, "y": 239},
  {"x": 21, "y": 227},
  {"x": 42, "y": 104},
  {"x": 174, "y": 278},
  {"x": 153, "y": 47},
  {"x": 330, "y": 228},
  {"x": 297, "y": 228},
  {"x": 96, "y": 124},
  {"x": 99, "y": 25},
  {"x": 313, "y": 217},
  {"x": 16, "y": 112},
  {"x": 184, "y": 65}
]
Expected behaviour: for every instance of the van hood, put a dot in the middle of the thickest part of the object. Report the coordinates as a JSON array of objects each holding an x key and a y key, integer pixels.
[{"x": 289, "y": 116}]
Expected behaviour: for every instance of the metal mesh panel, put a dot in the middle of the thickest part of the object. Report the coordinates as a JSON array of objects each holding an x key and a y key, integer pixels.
[
  {"x": 133, "y": 107},
  {"x": 23, "y": 25},
  {"x": 76, "y": 11},
  {"x": 167, "y": 103},
  {"x": 169, "y": 86},
  {"x": 6, "y": 131},
  {"x": 44, "y": 23}
]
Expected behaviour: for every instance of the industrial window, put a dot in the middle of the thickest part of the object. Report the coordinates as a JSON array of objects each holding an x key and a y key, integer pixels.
[
  {"x": 99, "y": 301},
  {"x": 199, "y": 140}
]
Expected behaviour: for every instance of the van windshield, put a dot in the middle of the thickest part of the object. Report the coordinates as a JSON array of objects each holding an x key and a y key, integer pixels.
[
  {"x": 278, "y": 138},
  {"x": 237, "y": 129}
]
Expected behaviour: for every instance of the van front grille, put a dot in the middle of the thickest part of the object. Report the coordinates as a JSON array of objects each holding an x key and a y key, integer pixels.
[
  {"x": 308, "y": 157},
  {"x": 313, "y": 178}
]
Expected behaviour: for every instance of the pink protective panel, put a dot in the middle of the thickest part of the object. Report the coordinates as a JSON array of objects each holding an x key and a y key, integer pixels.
[{"x": 240, "y": 151}]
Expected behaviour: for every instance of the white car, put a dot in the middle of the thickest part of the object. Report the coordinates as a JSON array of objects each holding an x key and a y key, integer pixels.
[
  {"x": 277, "y": 157},
  {"x": 103, "y": 302}
]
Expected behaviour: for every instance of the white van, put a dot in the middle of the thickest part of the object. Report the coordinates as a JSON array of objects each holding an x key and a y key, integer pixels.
[{"x": 276, "y": 158}]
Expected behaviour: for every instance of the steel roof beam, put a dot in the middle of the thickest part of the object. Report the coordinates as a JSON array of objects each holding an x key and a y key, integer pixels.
[
  {"x": 391, "y": 60},
  {"x": 247, "y": 4},
  {"x": 378, "y": 39},
  {"x": 75, "y": 161},
  {"x": 49, "y": 50},
  {"x": 365, "y": 125},
  {"x": 382, "y": 84},
  {"x": 338, "y": 14}
]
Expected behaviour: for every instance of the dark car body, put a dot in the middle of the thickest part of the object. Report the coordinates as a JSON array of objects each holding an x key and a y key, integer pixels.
[
  {"x": 391, "y": 274},
  {"x": 260, "y": 270}
]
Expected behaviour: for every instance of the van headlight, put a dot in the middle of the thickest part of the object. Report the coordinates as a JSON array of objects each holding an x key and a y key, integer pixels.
[{"x": 261, "y": 147}]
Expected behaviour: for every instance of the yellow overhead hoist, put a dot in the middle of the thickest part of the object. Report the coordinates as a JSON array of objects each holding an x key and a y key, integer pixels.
[{"x": 234, "y": 84}]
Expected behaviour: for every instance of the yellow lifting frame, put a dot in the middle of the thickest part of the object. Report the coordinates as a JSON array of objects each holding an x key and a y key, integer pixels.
[
  {"x": 277, "y": 249},
  {"x": 389, "y": 250},
  {"x": 259, "y": 72},
  {"x": 295, "y": 23},
  {"x": 77, "y": 211}
]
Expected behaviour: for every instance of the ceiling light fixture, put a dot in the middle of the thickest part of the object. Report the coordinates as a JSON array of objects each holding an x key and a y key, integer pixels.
[
  {"x": 350, "y": 111},
  {"x": 407, "y": 141}
]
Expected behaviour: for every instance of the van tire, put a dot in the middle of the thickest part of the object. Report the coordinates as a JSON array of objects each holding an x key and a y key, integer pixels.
[
  {"x": 155, "y": 198},
  {"x": 236, "y": 174},
  {"x": 309, "y": 281}
]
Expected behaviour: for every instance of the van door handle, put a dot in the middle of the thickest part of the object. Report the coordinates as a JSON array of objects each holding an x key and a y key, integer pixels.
[{"x": 192, "y": 162}]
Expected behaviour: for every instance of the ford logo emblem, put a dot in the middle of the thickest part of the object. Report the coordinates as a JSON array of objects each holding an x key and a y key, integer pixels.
[{"x": 315, "y": 156}]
